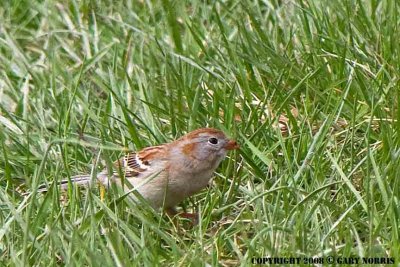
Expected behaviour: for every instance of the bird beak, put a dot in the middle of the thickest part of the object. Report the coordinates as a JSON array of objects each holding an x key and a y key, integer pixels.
[{"x": 231, "y": 145}]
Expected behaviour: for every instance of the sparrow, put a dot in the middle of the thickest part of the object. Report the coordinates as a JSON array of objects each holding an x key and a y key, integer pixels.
[{"x": 166, "y": 174}]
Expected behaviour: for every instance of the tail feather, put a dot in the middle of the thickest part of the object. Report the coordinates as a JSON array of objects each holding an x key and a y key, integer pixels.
[{"x": 80, "y": 180}]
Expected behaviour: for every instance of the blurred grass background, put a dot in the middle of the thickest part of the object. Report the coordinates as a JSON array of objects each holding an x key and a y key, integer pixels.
[{"x": 309, "y": 88}]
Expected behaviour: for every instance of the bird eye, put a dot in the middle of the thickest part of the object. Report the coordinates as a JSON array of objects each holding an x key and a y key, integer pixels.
[{"x": 213, "y": 140}]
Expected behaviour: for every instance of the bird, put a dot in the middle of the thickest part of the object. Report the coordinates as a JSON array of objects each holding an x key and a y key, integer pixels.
[{"x": 166, "y": 174}]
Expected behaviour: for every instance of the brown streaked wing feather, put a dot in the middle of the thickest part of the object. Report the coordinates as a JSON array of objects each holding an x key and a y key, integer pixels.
[
  {"x": 132, "y": 164},
  {"x": 149, "y": 153}
]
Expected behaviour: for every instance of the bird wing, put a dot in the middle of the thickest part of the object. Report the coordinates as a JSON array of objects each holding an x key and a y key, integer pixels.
[
  {"x": 146, "y": 172},
  {"x": 136, "y": 165}
]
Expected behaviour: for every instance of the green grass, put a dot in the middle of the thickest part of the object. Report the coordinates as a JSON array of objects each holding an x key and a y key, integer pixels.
[{"x": 82, "y": 81}]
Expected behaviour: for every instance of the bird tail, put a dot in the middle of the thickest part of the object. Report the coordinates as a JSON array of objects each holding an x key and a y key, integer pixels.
[{"x": 80, "y": 180}]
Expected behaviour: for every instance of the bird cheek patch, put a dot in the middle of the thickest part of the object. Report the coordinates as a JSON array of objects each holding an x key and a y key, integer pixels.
[{"x": 188, "y": 149}]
